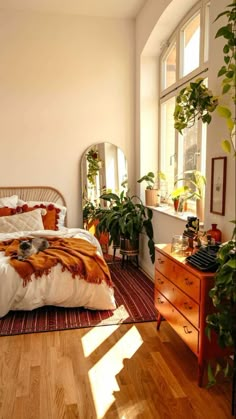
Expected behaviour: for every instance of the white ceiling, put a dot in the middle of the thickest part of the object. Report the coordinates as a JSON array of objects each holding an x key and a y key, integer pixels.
[{"x": 123, "y": 9}]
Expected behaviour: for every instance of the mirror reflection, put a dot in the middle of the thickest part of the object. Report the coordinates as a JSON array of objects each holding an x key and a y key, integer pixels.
[{"x": 104, "y": 170}]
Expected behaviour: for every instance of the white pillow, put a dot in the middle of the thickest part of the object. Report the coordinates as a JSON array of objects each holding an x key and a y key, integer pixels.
[
  {"x": 62, "y": 213},
  {"x": 26, "y": 221},
  {"x": 9, "y": 201}
]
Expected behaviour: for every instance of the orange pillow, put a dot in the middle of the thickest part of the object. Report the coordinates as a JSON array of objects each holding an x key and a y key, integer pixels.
[
  {"x": 5, "y": 211},
  {"x": 50, "y": 219}
]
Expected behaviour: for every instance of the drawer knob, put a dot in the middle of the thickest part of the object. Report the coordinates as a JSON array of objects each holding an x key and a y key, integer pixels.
[
  {"x": 159, "y": 300},
  {"x": 186, "y": 330},
  {"x": 160, "y": 281},
  {"x": 187, "y": 306},
  {"x": 187, "y": 281},
  {"x": 161, "y": 261}
]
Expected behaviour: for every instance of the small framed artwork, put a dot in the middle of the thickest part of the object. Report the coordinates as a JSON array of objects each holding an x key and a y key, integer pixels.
[{"x": 218, "y": 185}]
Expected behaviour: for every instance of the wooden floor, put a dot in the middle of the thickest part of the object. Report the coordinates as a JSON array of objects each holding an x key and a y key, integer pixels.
[{"x": 127, "y": 371}]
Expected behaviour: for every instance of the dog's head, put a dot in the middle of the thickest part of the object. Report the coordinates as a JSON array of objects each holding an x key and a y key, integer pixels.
[{"x": 25, "y": 245}]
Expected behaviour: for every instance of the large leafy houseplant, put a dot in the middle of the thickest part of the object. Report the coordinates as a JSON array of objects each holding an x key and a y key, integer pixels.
[
  {"x": 223, "y": 295},
  {"x": 126, "y": 216}
]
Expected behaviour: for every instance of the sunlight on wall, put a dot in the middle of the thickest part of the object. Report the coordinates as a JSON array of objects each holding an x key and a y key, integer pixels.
[
  {"x": 102, "y": 375},
  {"x": 96, "y": 336}
]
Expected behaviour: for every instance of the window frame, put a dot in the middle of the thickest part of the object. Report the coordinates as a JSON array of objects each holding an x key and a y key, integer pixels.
[{"x": 201, "y": 7}]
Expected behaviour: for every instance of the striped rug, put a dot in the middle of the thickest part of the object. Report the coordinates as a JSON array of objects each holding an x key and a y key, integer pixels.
[{"x": 134, "y": 294}]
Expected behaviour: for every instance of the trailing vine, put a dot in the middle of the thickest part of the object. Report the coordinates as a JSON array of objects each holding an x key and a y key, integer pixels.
[
  {"x": 94, "y": 165},
  {"x": 196, "y": 101}
]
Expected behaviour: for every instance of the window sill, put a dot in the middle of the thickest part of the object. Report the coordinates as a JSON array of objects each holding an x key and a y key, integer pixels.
[{"x": 169, "y": 210}]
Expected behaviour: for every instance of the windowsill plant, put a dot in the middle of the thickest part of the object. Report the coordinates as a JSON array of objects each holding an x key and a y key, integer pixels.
[{"x": 152, "y": 191}]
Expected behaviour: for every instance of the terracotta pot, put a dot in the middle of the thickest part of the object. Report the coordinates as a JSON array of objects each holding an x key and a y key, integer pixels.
[
  {"x": 152, "y": 197},
  {"x": 200, "y": 209},
  {"x": 177, "y": 206}
]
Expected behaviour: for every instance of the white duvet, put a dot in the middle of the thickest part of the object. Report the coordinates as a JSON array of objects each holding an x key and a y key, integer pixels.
[{"x": 57, "y": 288}]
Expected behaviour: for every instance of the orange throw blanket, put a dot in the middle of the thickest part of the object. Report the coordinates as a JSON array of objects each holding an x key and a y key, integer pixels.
[{"x": 75, "y": 255}]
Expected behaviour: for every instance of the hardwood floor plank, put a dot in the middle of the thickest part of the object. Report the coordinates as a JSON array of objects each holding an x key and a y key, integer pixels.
[{"x": 130, "y": 371}]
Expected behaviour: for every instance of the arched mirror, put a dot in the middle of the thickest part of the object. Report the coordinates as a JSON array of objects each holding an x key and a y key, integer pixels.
[{"x": 103, "y": 169}]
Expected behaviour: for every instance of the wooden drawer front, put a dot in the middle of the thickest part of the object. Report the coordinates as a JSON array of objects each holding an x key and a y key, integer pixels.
[
  {"x": 187, "y": 282},
  {"x": 188, "y": 307},
  {"x": 163, "y": 284},
  {"x": 184, "y": 329},
  {"x": 164, "y": 264}
]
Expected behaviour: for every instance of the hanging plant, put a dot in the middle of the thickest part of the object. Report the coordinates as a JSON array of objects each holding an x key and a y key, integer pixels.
[
  {"x": 194, "y": 102},
  {"x": 94, "y": 165}
]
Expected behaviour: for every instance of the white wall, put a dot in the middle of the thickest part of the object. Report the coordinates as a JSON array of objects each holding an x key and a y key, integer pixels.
[
  {"x": 66, "y": 82},
  {"x": 155, "y": 23}
]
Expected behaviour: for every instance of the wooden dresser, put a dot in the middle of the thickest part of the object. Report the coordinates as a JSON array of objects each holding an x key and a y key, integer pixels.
[{"x": 181, "y": 297}]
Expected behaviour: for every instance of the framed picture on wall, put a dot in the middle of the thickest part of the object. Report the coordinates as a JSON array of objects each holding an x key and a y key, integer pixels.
[{"x": 218, "y": 185}]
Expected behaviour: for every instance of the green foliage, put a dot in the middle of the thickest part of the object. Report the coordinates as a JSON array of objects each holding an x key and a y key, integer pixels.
[
  {"x": 194, "y": 102},
  {"x": 126, "y": 216},
  {"x": 194, "y": 183},
  {"x": 223, "y": 295},
  {"x": 94, "y": 165},
  {"x": 151, "y": 179}
]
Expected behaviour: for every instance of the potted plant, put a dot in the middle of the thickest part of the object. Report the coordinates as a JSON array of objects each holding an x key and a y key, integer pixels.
[
  {"x": 179, "y": 197},
  {"x": 194, "y": 186},
  {"x": 125, "y": 219},
  {"x": 152, "y": 191},
  {"x": 223, "y": 295}
]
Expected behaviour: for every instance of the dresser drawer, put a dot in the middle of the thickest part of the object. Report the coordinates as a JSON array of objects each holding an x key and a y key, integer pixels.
[
  {"x": 179, "y": 275},
  {"x": 185, "y": 329},
  {"x": 186, "y": 281},
  {"x": 164, "y": 264},
  {"x": 188, "y": 307}
]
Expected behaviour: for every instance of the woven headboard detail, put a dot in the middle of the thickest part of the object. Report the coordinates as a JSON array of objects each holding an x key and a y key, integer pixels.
[{"x": 34, "y": 193}]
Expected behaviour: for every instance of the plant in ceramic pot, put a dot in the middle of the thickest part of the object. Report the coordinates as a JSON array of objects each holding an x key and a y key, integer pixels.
[
  {"x": 152, "y": 191},
  {"x": 195, "y": 183},
  {"x": 179, "y": 197},
  {"x": 126, "y": 217}
]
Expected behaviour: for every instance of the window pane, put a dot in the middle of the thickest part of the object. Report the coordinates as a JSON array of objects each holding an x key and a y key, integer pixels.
[
  {"x": 168, "y": 141},
  {"x": 169, "y": 66},
  {"x": 191, "y": 45}
]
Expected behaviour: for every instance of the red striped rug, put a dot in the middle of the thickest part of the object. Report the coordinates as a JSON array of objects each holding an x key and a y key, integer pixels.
[{"x": 134, "y": 294}]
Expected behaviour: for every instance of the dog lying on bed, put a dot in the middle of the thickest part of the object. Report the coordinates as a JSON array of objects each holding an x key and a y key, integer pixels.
[{"x": 30, "y": 247}]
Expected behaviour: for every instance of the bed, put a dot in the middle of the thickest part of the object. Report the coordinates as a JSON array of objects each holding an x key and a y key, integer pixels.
[{"x": 70, "y": 273}]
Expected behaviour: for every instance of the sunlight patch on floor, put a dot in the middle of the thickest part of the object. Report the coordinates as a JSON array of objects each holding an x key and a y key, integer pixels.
[
  {"x": 97, "y": 335},
  {"x": 102, "y": 375}
]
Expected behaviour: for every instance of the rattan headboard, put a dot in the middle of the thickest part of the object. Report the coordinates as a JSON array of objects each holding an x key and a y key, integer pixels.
[{"x": 34, "y": 193}]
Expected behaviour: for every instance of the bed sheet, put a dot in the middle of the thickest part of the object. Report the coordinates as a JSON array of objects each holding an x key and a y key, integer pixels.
[{"x": 57, "y": 288}]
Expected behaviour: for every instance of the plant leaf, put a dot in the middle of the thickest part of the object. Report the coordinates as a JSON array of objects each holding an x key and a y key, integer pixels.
[
  {"x": 226, "y": 146},
  {"x": 226, "y": 88},
  {"x": 224, "y": 112}
]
